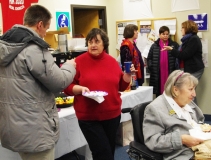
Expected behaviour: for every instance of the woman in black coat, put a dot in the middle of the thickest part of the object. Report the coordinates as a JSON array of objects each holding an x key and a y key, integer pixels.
[
  {"x": 190, "y": 52},
  {"x": 161, "y": 64}
]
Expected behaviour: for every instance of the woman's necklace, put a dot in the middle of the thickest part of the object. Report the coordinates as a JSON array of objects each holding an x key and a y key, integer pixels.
[{"x": 164, "y": 43}]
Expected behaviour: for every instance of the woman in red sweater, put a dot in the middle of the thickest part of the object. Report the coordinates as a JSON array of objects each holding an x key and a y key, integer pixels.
[{"x": 98, "y": 71}]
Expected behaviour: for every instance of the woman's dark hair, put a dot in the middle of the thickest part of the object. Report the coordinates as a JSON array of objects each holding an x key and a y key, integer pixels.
[
  {"x": 190, "y": 27},
  {"x": 163, "y": 29},
  {"x": 36, "y": 13},
  {"x": 129, "y": 30},
  {"x": 93, "y": 35}
]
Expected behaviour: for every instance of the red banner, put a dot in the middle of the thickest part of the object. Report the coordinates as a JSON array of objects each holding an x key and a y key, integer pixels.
[{"x": 13, "y": 11}]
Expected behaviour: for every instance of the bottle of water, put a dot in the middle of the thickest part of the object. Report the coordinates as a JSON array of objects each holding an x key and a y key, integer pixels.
[{"x": 134, "y": 83}]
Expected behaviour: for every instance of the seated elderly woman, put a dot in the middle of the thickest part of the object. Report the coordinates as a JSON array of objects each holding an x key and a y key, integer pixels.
[{"x": 169, "y": 117}]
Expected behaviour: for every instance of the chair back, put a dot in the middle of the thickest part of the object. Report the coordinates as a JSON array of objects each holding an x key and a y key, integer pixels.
[{"x": 137, "y": 116}]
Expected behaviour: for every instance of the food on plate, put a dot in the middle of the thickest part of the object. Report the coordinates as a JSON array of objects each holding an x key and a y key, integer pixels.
[
  {"x": 206, "y": 127},
  {"x": 64, "y": 100}
]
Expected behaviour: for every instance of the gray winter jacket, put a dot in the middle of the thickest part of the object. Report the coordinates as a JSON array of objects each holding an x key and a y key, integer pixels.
[{"x": 28, "y": 78}]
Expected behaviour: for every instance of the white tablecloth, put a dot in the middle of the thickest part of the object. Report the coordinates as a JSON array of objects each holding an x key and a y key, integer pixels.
[
  {"x": 71, "y": 137},
  {"x": 135, "y": 97}
]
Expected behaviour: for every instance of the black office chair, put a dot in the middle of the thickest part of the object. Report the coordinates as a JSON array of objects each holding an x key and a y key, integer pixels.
[{"x": 137, "y": 149}]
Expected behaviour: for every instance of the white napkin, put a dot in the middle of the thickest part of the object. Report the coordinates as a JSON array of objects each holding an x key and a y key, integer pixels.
[
  {"x": 99, "y": 99},
  {"x": 96, "y": 95},
  {"x": 197, "y": 133}
]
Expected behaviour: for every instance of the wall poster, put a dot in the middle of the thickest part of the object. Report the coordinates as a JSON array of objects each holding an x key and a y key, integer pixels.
[
  {"x": 201, "y": 20},
  {"x": 63, "y": 20}
]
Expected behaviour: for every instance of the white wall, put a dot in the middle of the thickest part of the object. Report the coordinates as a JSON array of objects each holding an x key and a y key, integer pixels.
[
  {"x": 160, "y": 8},
  {"x": 204, "y": 87},
  {"x": 114, "y": 13},
  {"x": 64, "y": 5}
]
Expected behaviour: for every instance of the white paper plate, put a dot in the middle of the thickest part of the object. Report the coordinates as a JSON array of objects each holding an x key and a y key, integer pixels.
[{"x": 95, "y": 94}]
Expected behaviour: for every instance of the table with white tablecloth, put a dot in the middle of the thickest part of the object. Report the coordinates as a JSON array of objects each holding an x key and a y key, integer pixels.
[
  {"x": 135, "y": 97},
  {"x": 71, "y": 137}
]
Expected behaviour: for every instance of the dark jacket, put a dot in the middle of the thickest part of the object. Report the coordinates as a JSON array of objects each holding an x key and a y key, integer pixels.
[
  {"x": 125, "y": 56},
  {"x": 191, "y": 54},
  {"x": 153, "y": 63}
]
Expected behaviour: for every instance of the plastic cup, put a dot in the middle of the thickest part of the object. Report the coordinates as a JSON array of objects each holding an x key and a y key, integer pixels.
[{"x": 127, "y": 66}]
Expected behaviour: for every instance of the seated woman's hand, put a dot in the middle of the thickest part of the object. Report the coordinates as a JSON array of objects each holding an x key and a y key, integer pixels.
[{"x": 190, "y": 141}]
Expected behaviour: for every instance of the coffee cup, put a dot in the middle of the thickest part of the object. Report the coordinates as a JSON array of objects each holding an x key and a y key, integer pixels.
[{"x": 127, "y": 66}]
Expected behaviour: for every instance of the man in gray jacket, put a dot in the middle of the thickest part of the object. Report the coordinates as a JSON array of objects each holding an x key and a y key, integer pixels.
[{"x": 29, "y": 77}]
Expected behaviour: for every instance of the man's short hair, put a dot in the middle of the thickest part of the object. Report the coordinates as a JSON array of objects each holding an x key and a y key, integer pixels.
[{"x": 36, "y": 13}]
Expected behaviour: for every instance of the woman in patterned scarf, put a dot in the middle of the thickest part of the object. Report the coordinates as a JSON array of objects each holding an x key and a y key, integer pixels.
[{"x": 130, "y": 52}]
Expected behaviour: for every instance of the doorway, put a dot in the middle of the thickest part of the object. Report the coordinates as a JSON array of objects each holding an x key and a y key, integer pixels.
[{"x": 84, "y": 18}]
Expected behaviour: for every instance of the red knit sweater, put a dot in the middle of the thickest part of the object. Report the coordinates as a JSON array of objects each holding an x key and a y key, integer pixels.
[{"x": 101, "y": 73}]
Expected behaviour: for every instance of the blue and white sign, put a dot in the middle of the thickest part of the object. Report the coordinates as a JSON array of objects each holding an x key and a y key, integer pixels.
[
  {"x": 63, "y": 20},
  {"x": 200, "y": 20}
]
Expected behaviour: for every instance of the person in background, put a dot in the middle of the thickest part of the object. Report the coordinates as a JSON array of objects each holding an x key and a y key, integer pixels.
[
  {"x": 98, "y": 71},
  {"x": 161, "y": 63},
  {"x": 190, "y": 51},
  {"x": 130, "y": 52},
  {"x": 29, "y": 77},
  {"x": 172, "y": 115}
]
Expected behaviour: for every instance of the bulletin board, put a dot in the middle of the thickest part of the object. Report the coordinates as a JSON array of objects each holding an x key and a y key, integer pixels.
[{"x": 148, "y": 31}]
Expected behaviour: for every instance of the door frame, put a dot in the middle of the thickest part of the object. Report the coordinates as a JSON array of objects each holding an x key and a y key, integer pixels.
[{"x": 101, "y": 12}]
